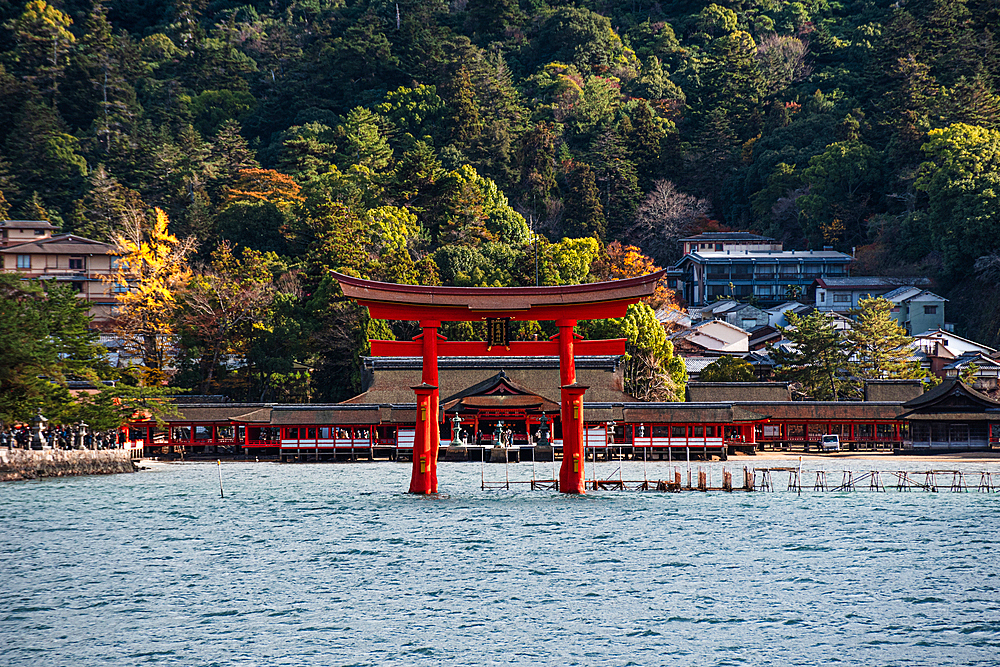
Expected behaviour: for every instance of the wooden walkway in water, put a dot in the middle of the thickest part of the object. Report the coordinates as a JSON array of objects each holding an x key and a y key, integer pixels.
[{"x": 794, "y": 479}]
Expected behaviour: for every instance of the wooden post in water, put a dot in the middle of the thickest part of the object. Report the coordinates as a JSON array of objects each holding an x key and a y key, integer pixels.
[{"x": 221, "y": 492}]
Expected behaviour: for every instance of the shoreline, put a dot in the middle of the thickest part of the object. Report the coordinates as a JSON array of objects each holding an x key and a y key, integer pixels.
[{"x": 957, "y": 457}]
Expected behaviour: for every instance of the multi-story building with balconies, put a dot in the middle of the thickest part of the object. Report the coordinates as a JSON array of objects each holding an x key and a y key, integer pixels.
[
  {"x": 740, "y": 265},
  {"x": 73, "y": 260}
]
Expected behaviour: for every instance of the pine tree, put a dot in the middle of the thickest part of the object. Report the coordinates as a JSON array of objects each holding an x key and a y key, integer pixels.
[
  {"x": 106, "y": 203},
  {"x": 232, "y": 154},
  {"x": 584, "y": 214},
  {"x": 643, "y": 142},
  {"x": 43, "y": 41},
  {"x": 816, "y": 356},
  {"x": 465, "y": 121},
  {"x": 880, "y": 347},
  {"x": 617, "y": 180}
]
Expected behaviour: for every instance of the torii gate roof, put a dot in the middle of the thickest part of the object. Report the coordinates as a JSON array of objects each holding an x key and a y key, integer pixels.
[{"x": 468, "y": 304}]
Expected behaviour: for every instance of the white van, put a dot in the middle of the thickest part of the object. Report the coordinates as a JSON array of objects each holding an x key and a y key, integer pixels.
[{"x": 829, "y": 443}]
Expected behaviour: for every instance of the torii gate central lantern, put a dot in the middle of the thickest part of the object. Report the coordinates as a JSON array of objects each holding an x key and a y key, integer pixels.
[{"x": 430, "y": 306}]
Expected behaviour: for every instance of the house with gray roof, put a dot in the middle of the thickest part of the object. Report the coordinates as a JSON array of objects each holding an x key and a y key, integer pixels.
[
  {"x": 841, "y": 294},
  {"x": 917, "y": 310},
  {"x": 743, "y": 315}
]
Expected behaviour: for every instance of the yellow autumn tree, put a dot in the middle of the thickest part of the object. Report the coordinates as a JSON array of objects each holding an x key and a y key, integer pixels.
[{"x": 150, "y": 272}]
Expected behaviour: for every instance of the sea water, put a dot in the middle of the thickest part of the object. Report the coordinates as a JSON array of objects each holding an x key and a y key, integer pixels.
[{"x": 334, "y": 564}]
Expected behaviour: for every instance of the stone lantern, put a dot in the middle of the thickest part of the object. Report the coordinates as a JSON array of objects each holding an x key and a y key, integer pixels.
[
  {"x": 457, "y": 451},
  {"x": 81, "y": 430},
  {"x": 38, "y": 425},
  {"x": 543, "y": 448},
  {"x": 456, "y": 429},
  {"x": 543, "y": 431}
]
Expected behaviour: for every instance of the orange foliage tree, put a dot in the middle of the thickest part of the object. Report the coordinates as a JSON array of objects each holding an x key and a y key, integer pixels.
[
  {"x": 618, "y": 262},
  {"x": 266, "y": 185}
]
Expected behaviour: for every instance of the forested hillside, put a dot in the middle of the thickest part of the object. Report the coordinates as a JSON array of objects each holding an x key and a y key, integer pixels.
[{"x": 424, "y": 141}]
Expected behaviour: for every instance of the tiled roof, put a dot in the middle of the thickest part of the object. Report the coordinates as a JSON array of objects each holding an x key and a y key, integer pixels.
[
  {"x": 768, "y": 255},
  {"x": 862, "y": 282},
  {"x": 62, "y": 244},
  {"x": 722, "y": 237},
  {"x": 27, "y": 224}
]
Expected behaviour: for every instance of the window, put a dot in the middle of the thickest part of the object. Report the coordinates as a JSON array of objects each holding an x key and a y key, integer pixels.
[
  {"x": 180, "y": 434},
  {"x": 678, "y": 431},
  {"x": 812, "y": 270},
  {"x": 789, "y": 270},
  {"x": 958, "y": 432},
  {"x": 223, "y": 432},
  {"x": 76, "y": 263},
  {"x": 842, "y": 298},
  {"x": 718, "y": 246},
  {"x": 24, "y": 261},
  {"x": 742, "y": 271},
  {"x": 119, "y": 288},
  {"x": 764, "y": 290},
  {"x": 77, "y": 286},
  {"x": 930, "y": 310},
  {"x": 39, "y": 232},
  {"x": 292, "y": 433},
  {"x": 202, "y": 433}
]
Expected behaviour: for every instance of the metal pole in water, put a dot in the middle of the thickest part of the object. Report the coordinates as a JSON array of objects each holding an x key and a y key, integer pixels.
[
  {"x": 798, "y": 479},
  {"x": 221, "y": 492}
]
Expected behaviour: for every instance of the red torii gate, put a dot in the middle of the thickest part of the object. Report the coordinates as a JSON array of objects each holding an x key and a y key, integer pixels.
[{"x": 430, "y": 306}]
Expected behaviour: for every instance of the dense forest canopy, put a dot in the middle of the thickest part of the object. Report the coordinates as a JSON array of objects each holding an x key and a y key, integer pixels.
[{"x": 454, "y": 142}]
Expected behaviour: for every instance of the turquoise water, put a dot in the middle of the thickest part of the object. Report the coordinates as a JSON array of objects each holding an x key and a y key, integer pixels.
[{"x": 333, "y": 565}]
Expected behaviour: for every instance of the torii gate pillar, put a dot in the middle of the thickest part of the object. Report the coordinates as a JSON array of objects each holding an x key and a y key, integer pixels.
[
  {"x": 427, "y": 438},
  {"x": 571, "y": 473}
]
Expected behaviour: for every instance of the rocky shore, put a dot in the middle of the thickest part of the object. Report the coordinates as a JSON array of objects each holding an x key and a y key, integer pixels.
[{"x": 16, "y": 464}]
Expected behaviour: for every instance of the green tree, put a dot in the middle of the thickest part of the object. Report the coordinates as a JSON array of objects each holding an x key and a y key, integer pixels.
[
  {"x": 816, "y": 356},
  {"x": 105, "y": 204},
  {"x": 464, "y": 117},
  {"x": 43, "y": 41},
  {"x": 363, "y": 142},
  {"x": 728, "y": 369},
  {"x": 584, "y": 213},
  {"x": 961, "y": 178},
  {"x": 652, "y": 371},
  {"x": 880, "y": 347},
  {"x": 45, "y": 339},
  {"x": 838, "y": 178},
  {"x": 617, "y": 180}
]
